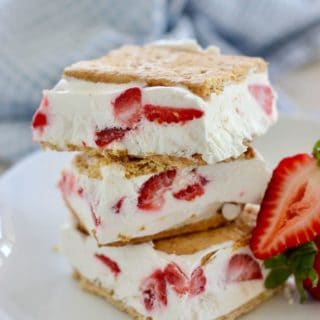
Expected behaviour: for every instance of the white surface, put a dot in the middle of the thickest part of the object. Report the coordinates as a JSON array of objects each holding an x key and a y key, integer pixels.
[{"x": 35, "y": 282}]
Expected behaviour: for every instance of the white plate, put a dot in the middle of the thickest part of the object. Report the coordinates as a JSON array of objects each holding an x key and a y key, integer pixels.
[{"x": 35, "y": 281}]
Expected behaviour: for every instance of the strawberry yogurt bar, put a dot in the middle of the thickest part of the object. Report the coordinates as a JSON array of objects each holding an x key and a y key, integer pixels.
[
  {"x": 172, "y": 99},
  {"x": 142, "y": 199},
  {"x": 207, "y": 275}
]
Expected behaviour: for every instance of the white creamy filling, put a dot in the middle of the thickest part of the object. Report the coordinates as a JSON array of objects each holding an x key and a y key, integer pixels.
[
  {"x": 78, "y": 108},
  {"x": 139, "y": 261},
  {"x": 239, "y": 181}
]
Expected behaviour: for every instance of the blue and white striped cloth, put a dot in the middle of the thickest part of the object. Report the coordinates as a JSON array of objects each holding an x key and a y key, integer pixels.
[{"x": 38, "y": 38}]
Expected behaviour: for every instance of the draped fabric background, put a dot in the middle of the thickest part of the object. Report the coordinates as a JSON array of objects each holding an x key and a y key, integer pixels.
[{"x": 39, "y": 38}]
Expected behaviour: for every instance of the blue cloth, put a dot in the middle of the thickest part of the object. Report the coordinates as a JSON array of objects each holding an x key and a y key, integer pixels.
[{"x": 39, "y": 38}]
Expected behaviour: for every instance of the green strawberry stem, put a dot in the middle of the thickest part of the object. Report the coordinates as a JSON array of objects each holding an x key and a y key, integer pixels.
[
  {"x": 298, "y": 262},
  {"x": 316, "y": 151}
]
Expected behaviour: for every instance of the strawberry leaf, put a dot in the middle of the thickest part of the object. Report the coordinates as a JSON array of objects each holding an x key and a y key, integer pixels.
[
  {"x": 316, "y": 151},
  {"x": 277, "y": 277},
  {"x": 298, "y": 262}
]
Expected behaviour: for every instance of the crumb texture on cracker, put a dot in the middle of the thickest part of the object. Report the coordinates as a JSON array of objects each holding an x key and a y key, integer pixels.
[{"x": 203, "y": 72}]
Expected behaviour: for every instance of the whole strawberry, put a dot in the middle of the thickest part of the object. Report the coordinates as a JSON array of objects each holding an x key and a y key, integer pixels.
[{"x": 289, "y": 222}]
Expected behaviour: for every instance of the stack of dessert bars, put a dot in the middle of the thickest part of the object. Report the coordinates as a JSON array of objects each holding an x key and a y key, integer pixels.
[{"x": 165, "y": 188}]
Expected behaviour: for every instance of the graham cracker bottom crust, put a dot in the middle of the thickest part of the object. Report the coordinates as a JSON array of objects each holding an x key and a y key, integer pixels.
[
  {"x": 214, "y": 222},
  {"x": 91, "y": 287}
]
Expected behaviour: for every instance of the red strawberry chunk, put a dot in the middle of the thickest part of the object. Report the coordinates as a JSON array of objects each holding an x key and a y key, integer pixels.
[
  {"x": 127, "y": 107},
  {"x": 80, "y": 192},
  {"x": 67, "y": 183},
  {"x": 154, "y": 291},
  {"x": 96, "y": 220},
  {"x": 151, "y": 194},
  {"x": 243, "y": 267},
  {"x": 263, "y": 95},
  {"x": 163, "y": 114},
  {"x": 40, "y": 120},
  {"x": 314, "y": 291},
  {"x": 198, "y": 282},
  {"x": 190, "y": 192},
  {"x": 111, "y": 264},
  {"x": 117, "y": 206},
  {"x": 108, "y": 135},
  {"x": 176, "y": 278},
  {"x": 44, "y": 102},
  {"x": 181, "y": 284},
  {"x": 193, "y": 190},
  {"x": 290, "y": 211}
]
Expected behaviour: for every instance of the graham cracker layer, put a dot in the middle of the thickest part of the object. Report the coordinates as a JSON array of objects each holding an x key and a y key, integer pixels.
[
  {"x": 214, "y": 222},
  {"x": 202, "y": 71},
  {"x": 134, "y": 167},
  {"x": 108, "y": 295},
  {"x": 238, "y": 231}
]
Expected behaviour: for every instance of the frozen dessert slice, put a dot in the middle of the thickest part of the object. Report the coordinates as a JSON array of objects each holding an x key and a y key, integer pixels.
[
  {"x": 207, "y": 275},
  {"x": 121, "y": 200},
  {"x": 174, "y": 99}
]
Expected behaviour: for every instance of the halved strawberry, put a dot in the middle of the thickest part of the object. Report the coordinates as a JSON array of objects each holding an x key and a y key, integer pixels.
[
  {"x": 108, "y": 135},
  {"x": 314, "y": 291},
  {"x": 111, "y": 264},
  {"x": 151, "y": 194},
  {"x": 197, "y": 282},
  {"x": 127, "y": 107},
  {"x": 243, "y": 267},
  {"x": 193, "y": 190},
  {"x": 171, "y": 115},
  {"x": 176, "y": 278},
  {"x": 263, "y": 95},
  {"x": 154, "y": 291},
  {"x": 290, "y": 211}
]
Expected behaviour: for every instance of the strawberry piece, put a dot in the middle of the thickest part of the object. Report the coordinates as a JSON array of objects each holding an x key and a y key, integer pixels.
[
  {"x": 127, "y": 107},
  {"x": 117, "y": 207},
  {"x": 290, "y": 211},
  {"x": 314, "y": 291},
  {"x": 264, "y": 96},
  {"x": 44, "y": 102},
  {"x": 170, "y": 115},
  {"x": 80, "y": 192},
  {"x": 108, "y": 135},
  {"x": 151, "y": 194},
  {"x": 39, "y": 121},
  {"x": 176, "y": 278},
  {"x": 96, "y": 220},
  {"x": 180, "y": 282},
  {"x": 243, "y": 267},
  {"x": 192, "y": 191},
  {"x": 67, "y": 183},
  {"x": 198, "y": 282},
  {"x": 154, "y": 291},
  {"x": 111, "y": 264}
]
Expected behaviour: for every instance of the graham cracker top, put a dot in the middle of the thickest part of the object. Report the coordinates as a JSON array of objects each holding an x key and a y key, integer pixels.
[
  {"x": 238, "y": 231},
  {"x": 202, "y": 71},
  {"x": 91, "y": 164}
]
